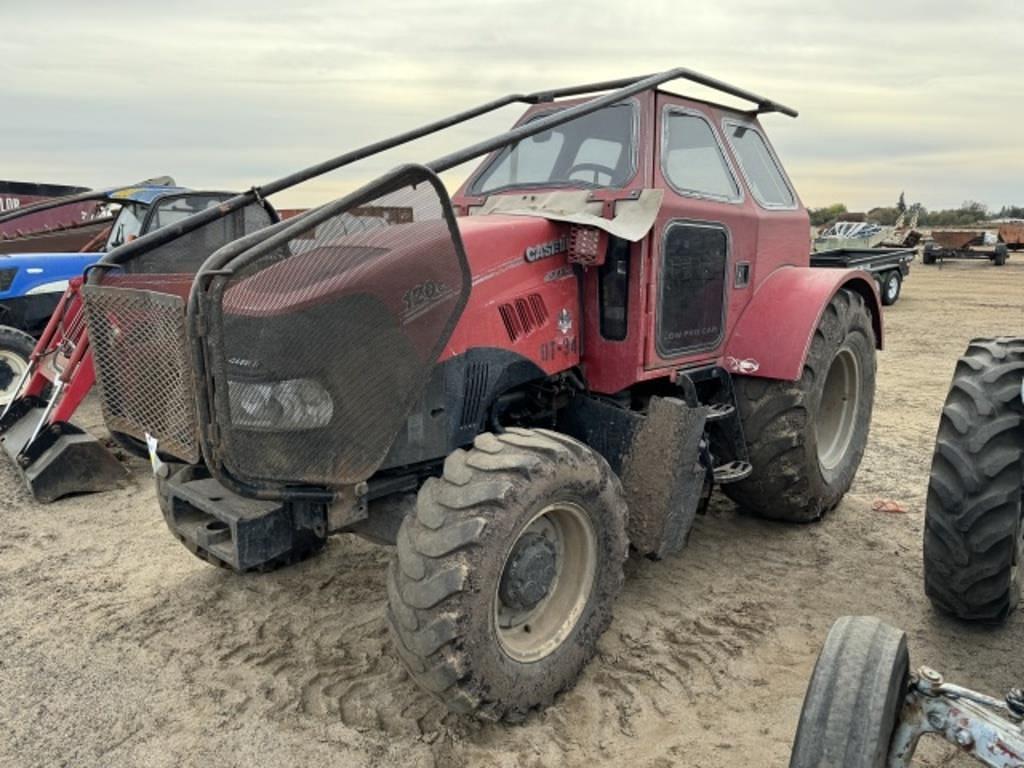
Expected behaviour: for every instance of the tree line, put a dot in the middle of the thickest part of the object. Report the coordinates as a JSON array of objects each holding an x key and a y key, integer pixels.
[{"x": 969, "y": 212}]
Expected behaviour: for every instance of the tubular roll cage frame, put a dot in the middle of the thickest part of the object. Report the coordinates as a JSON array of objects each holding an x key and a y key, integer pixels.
[{"x": 239, "y": 252}]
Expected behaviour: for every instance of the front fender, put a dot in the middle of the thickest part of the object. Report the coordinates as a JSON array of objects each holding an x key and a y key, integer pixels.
[{"x": 774, "y": 333}]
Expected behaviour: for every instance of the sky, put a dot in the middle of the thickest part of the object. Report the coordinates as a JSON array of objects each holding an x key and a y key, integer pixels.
[{"x": 925, "y": 98}]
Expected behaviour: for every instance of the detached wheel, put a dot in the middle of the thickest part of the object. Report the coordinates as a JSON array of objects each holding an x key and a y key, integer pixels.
[
  {"x": 806, "y": 438},
  {"x": 504, "y": 578},
  {"x": 854, "y": 698},
  {"x": 973, "y": 546},
  {"x": 892, "y": 283},
  {"x": 15, "y": 352}
]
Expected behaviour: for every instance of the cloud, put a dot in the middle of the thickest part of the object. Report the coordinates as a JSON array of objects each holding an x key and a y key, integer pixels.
[{"x": 920, "y": 96}]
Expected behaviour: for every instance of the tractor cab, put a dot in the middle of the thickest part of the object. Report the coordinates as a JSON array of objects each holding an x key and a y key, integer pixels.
[{"x": 724, "y": 217}]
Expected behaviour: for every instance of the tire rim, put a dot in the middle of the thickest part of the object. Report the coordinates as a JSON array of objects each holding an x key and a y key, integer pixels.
[
  {"x": 892, "y": 288},
  {"x": 530, "y": 634},
  {"x": 16, "y": 366},
  {"x": 837, "y": 412}
]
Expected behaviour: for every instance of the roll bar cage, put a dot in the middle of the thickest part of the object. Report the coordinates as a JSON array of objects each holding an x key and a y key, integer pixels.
[{"x": 619, "y": 90}]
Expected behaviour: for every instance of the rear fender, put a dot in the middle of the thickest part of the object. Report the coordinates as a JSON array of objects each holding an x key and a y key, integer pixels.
[{"x": 774, "y": 333}]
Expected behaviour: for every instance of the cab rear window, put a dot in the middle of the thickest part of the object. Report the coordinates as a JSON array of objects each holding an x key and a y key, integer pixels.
[{"x": 762, "y": 172}]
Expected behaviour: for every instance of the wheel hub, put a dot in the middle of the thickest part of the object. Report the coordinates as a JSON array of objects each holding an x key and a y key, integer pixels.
[
  {"x": 529, "y": 573},
  {"x": 6, "y": 374},
  {"x": 838, "y": 410}
]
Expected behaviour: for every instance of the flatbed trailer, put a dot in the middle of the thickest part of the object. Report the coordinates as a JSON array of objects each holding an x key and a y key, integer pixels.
[
  {"x": 889, "y": 266},
  {"x": 964, "y": 244}
]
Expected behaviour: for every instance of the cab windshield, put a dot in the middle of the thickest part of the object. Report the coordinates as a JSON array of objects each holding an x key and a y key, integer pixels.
[
  {"x": 127, "y": 225},
  {"x": 596, "y": 150}
]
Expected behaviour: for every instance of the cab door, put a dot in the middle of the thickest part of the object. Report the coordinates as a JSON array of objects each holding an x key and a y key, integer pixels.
[{"x": 703, "y": 240}]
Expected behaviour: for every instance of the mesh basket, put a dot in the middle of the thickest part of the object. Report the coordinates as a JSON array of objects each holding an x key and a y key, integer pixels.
[
  {"x": 325, "y": 334},
  {"x": 137, "y": 326}
]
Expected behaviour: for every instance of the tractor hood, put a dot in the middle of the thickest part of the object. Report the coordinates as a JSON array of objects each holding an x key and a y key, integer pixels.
[{"x": 31, "y": 273}]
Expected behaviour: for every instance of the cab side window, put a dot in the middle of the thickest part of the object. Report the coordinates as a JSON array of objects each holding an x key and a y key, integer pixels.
[{"x": 692, "y": 159}]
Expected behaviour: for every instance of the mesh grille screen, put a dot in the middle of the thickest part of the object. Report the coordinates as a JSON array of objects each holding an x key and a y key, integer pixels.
[
  {"x": 143, "y": 366},
  {"x": 137, "y": 328},
  {"x": 321, "y": 345}
]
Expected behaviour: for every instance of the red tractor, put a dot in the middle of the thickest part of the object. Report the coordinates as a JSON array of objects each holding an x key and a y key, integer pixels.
[{"x": 614, "y": 314}]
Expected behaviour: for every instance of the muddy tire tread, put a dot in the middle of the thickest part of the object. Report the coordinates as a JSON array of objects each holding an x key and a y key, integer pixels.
[
  {"x": 442, "y": 542},
  {"x": 973, "y": 509},
  {"x": 854, "y": 696}
]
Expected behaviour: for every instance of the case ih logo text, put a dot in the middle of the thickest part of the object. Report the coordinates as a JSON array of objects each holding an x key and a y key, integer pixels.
[{"x": 546, "y": 250}]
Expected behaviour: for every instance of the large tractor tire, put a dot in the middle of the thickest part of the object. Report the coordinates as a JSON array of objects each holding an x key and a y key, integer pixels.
[
  {"x": 854, "y": 698},
  {"x": 806, "y": 438},
  {"x": 15, "y": 351},
  {"x": 973, "y": 546},
  {"x": 504, "y": 577}
]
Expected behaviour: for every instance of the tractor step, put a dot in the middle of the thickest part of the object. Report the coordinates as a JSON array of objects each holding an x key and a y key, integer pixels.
[
  {"x": 733, "y": 472},
  {"x": 719, "y": 411}
]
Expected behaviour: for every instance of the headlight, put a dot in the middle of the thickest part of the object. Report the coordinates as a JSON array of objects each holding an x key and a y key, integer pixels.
[
  {"x": 6, "y": 278},
  {"x": 293, "y": 404}
]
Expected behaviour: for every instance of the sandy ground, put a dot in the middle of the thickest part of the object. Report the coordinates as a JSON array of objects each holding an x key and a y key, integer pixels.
[{"x": 118, "y": 648}]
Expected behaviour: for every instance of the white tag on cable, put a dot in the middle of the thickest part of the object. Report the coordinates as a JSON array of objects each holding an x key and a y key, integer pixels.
[{"x": 154, "y": 459}]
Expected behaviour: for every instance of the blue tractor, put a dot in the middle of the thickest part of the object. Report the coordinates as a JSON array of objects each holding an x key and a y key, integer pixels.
[{"x": 31, "y": 282}]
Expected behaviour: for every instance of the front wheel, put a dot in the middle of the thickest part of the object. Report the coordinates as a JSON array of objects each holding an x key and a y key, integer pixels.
[
  {"x": 806, "y": 438},
  {"x": 504, "y": 577},
  {"x": 853, "y": 701},
  {"x": 15, "y": 352}
]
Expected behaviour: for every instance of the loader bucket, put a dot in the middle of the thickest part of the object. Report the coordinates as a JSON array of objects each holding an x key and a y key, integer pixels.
[
  {"x": 62, "y": 459},
  {"x": 55, "y": 457}
]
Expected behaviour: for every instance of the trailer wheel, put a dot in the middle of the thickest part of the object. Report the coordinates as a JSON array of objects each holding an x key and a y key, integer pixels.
[
  {"x": 806, "y": 438},
  {"x": 15, "y": 352},
  {"x": 928, "y": 255},
  {"x": 504, "y": 577},
  {"x": 891, "y": 286},
  {"x": 973, "y": 545},
  {"x": 1000, "y": 255},
  {"x": 854, "y": 698}
]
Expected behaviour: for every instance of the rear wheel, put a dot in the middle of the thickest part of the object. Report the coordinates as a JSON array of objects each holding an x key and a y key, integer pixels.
[
  {"x": 854, "y": 698},
  {"x": 15, "y": 352},
  {"x": 504, "y": 578},
  {"x": 928, "y": 256},
  {"x": 1000, "y": 255},
  {"x": 892, "y": 283},
  {"x": 973, "y": 545},
  {"x": 806, "y": 438}
]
